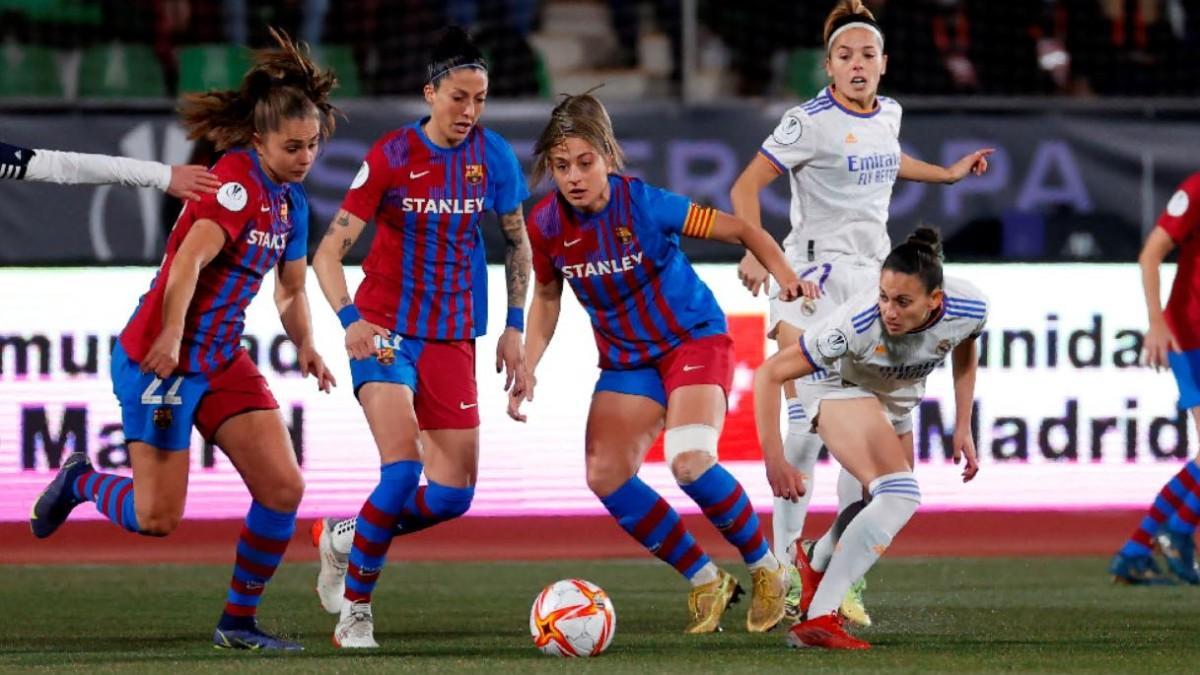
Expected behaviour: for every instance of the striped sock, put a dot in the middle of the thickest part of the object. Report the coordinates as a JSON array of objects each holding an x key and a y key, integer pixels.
[
  {"x": 112, "y": 494},
  {"x": 264, "y": 538},
  {"x": 1185, "y": 519},
  {"x": 432, "y": 504},
  {"x": 647, "y": 517},
  {"x": 727, "y": 507},
  {"x": 1168, "y": 501},
  {"x": 373, "y": 529}
]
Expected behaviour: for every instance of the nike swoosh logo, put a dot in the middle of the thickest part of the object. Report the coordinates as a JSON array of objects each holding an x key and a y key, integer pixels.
[
  {"x": 266, "y": 208},
  {"x": 413, "y": 175},
  {"x": 465, "y": 406},
  {"x": 688, "y": 369},
  {"x": 571, "y": 243}
]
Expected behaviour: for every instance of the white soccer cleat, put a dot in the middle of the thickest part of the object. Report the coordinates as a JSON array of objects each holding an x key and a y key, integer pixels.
[
  {"x": 331, "y": 579},
  {"x": 356, "y": 628}
]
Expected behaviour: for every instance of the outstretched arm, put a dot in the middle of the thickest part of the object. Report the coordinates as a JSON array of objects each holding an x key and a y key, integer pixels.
[
  {"x": 734, "y": 230},
  {"x": 975, "y": 163},
  {"x": 73, "y": 168}
]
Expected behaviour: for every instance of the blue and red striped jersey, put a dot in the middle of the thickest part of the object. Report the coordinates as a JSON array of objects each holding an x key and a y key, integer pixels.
[
  {"x": 625, "y": 266},
  {"x": 427, "y": 201},
  {"x": 264, "y": 222}
]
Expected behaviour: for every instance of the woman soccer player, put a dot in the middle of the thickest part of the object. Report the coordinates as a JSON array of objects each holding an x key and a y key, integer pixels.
[
  {"x": 871, "y": 356},
  {"x": 410, "y": 328},
  {"x": 73, "y": 168},
  {"x": 841, "y": 153},
  {"x": 179, "y": 360},
  {"x": 665, "y": 355},
  {"x": 1172, "y": 341}
]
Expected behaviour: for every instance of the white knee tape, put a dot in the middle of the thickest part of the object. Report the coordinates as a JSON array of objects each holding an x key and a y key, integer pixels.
[{"x": 690, "y": 437}]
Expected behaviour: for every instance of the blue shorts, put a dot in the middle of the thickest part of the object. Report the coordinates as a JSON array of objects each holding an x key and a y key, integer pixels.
[
  {"x": 1186, "y": 368},
  {"x": 156, "y": 411},
  {"x": 639, "y": 382},
  {"x": 441, "y": 375},
  {"x": 395, "y": 361}
]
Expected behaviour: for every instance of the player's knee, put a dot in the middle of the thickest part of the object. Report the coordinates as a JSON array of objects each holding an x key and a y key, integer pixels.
[
  {"x": 605, "y": 471},
  {"x": 286, "y": 495},
  {"x": 447, "y": 502},
  {"x": 158, "y": 522},
  {"x": 690, "y": 450}
]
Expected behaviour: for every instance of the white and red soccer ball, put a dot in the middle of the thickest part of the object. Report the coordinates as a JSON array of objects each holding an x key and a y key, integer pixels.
[{"x": 572, "y": 617}]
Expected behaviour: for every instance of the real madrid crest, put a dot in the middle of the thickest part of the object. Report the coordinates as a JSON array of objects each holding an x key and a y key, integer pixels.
[
  {"x": 943, "y": 346},
  {"x": 808, "y": 306},
  {"x": 163, "y": 417},
  {"x": 283, "y": 210},
  {"x": 474, "y": 173}
]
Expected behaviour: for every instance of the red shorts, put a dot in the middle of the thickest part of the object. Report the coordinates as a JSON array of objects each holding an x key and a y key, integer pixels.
[
  {"x": 440, "y": 374},
  {"x": 707, "y": 360},
  {"x": 237, "y": 389}
]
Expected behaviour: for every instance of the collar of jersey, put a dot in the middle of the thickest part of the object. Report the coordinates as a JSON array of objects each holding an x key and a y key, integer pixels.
[
  {"x": 941, "y": 311},
  {"x": 271, "y": 186},
  {"x": 419, "y": 125},
  {"x": 584, "y": 216},
  {"x": 876, "y": 111}
]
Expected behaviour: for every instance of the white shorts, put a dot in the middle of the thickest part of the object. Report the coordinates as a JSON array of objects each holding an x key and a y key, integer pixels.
[
  {"x": 840, "y": 279},
  {"x": 832, "y": 388}
]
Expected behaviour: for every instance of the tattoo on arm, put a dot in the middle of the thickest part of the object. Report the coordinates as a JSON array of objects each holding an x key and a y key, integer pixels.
[
  {"x": 517, "y": 257},
  {"x": 344, "y": 301},
  {"x": 346, "y": 244}
]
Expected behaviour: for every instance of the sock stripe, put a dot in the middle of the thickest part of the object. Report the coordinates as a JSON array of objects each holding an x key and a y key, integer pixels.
[
  {"x": 692, "y": 561},
  {"x": 122, "y": 495},
  {"x": 264, "y": 544},
  {"x": 261, "y": 543},
  {"x": 422, "y": 506},
  {"x": 647, "y": 517},
  {"x": 723, "y": 506},
  {"x": 649, "y": 522},
  {"x": 1168, "y": 504}
]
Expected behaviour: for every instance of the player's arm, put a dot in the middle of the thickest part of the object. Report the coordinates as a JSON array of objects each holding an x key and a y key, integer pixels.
[
  {"x": 712, "y": 224},
  {"x": 331, "y": 276},
  {"x": 975, "y": 163},
  {"x": 73, "y": 168},
  {"x": 746, "y": 205},
  {"x": 1159, "y": 341},
  {"x": 964, "y": 364},
  {"x": 510, "y": 355},
  {"x": 543, "y": 320},
  {"x": 291, "y": 299},
  {"x": 201, "y": 244},
  {"x": 784, "y": 366}
]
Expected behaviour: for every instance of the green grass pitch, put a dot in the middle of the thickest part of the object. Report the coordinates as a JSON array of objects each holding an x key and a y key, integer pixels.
[{"x": 931, "y": 615}]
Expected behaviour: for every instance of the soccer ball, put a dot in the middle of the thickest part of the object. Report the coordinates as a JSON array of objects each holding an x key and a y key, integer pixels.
[{"x": 572, "y": 617}]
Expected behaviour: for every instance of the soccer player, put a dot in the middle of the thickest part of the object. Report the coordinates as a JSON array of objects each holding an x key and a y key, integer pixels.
[
  {"x": 1172, "y": 341},
  {"x": 410, "y": 328},
  {"x": 179, "y": 362},
  {"x": 872, "y": 355},
  {"x": 73, "y": 168},
  {"x": 842, "y": 154},
  {"x": 665, "y": 355}
]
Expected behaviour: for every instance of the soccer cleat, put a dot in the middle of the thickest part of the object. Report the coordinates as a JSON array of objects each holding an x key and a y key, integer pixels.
[
  {"x": 708, "y": 602},
  {"x": 1137, "y": 571},
  {"x": 768, "y": 597},
  {"x": 254, "y": 639},
  {"x": 809, "y": 578},
  {"x": 58, "y": 499},
  {"x": 826, "y": 632},
  {"x": 1180, "y": 551},
  {"x": 853, "y": 609},
  {"x": 356, "y": 628},
  {"x": 791, "y": 601},
  {"x": 331, "y": 579}
]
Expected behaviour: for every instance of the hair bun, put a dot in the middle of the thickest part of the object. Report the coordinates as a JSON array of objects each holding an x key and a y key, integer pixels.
[{"x": 927, "y": 238}]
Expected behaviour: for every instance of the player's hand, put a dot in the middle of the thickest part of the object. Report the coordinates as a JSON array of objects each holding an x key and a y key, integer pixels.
[
  {"x": 189, "y": 182},
  {"x": 516, "y": 398},
  {"x": 1158, "y": 344},
  {"x": 975, "y": 164},
  {"x": 360, "y": 339},
  {"x": 798, "y": 289},
  {"x": 311, "y": 363},
  {"x": 163, "y": 356},
  {"x": 752, "y": 274},
  {"x": 787, "y": 482},
  {"x": 510, "y": 358},
  {"x": 964, "y": 447}
]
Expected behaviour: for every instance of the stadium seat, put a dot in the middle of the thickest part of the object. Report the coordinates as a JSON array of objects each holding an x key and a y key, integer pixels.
[
  {"x": 29, "y": 70},
  {"x": 120, "y": 70},
  {"x": 212, "y": 66},
  {"x": 806, "y": 72}
]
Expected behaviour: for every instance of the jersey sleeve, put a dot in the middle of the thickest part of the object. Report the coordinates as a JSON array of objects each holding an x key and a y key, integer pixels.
[
  {"x": 507, "y": 181},
  {"x": 14, "y": 161},
  {"x": 297, "y": 243},
  {"x": 1182, "y": 214},
  {"x": 847, "y": 332},
  {"x": 373, "y": 179},
  {"x": 673, "y": 213},
  {"x": 792, "y": 143},
  {"x": 231, "y": 207},
  {"x": 543, "y": 267}
]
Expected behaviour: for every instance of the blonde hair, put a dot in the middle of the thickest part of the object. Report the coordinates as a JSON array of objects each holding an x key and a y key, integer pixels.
[
  {"x": 846, "y": 9},
  {"x": 283, "y": 83},
  {"x": 581, "y": 116}
]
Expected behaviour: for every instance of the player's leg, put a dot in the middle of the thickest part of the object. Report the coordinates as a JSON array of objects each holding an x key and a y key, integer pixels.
[
  {"x": 1177, "y": 540},
  {"x": 863, "y": 439},
  {"x": 801, "y": 447}
]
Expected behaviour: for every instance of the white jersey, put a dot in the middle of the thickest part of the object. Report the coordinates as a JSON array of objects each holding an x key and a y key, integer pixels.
[
  {"x": 853, "y": 350},
  {"x": 842, "y": 166}
]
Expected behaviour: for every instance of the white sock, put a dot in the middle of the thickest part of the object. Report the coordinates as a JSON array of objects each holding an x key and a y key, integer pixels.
[
  {"x": 704, "y": 575},
  {"x": 849, "y": 492},
  {"x": 767, "y": 562},
  {"x": 894, "y": 499},
  {"x": 341, "y": 535},
  {"x": 800, "y": 448}
]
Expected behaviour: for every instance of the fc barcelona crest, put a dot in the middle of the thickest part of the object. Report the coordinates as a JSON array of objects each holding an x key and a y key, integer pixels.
[
  {"x": 474, "y": 173},
  {"x": 624, "y": 235},
  {"x": 163, "y": 417},
  {"x": 386, "y": 356},
  {"x": 283, "y": 209}
]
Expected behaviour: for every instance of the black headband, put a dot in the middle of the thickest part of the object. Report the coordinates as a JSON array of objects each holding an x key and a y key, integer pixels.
[{"x": 441, "y": 68}]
